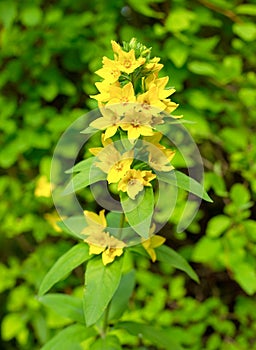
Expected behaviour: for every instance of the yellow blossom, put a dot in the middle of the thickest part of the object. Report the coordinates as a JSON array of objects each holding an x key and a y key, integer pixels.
[
  {"x": 100, "y": 241},
  {"x": 137, "y": 123},
  {"x": 153, "y": 65},
  {"x": 53, "y": 218},
  {"x": 114, "y": 163},
  {"x": 159, "y": 157},
  {"x": 43, "y": 187},
  {"x": 95, "y": 219},
  {"x": 126, "y": 61},
  {"x": 150, "y": 98},
  {"x": 122, "y": 95},
  {"x": 151, "y": 243},
  {"x": 109, "y": 71},
  {"x": 134, "y": 181},
  {"x": 109, "y": 121}
]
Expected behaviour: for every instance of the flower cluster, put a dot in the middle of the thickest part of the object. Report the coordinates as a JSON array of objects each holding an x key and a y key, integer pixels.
[
  {"x": 132, "y": 100},
  {"x": 131, "y": 95}
]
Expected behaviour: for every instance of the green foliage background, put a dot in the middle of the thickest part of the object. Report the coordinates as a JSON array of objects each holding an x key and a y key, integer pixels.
[{"x": 49, "y": 51}]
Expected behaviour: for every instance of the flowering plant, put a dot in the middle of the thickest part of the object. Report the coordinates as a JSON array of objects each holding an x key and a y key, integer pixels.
[{"x": 134, "y": 160}]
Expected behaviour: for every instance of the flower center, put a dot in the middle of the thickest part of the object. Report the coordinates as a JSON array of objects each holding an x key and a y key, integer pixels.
[
  {"x": 115, "y": 73},
  {"x": 127, "y": 63},
  {"x": 118, "y": 166}
]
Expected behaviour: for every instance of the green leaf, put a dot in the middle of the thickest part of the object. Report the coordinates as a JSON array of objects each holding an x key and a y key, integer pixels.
[
  {"x": 207, "y": 250},
  {"x": 84, "y": 165},
  {"x": 202, "y": 68},
  {"x": 8, "y": 11},
  {"x": 169, "y": 256},
  {"x": 217, "y": 225},
  {"x": 239, "y": 195},
  {"x": 31, "y": 16},
  {"x": 111, "y": 342},
  {"x": 185, "y": 182},
  {"x": 160, "y": 337},
  {"x": 89, "y": 175},
  {"x": 246, "y": 9},
  {"x": 246, "y": 31},
  {"x": 179, "y": 20},
  {"x": 70, "y": 338},
  {"x": 177, "y": 52},
  {"x": 144, "y": 7},
  {"x": 122, "y": 296},
  {"x": 65, "y": 305},
  {"x": 64, "y": 265},
  {"x": 101, "y": 282},
  {"x": 139, "y": 211},
  {"x": 244, "y": 274}
]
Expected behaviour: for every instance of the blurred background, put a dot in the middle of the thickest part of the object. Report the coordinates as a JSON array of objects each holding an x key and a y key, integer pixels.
[{"x": 49, "y": 51}]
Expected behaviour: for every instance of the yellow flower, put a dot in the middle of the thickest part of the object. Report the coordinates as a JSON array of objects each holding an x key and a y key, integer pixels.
[
  {"x": 53, "y": 218},
  {"x": 95, "y": 219},
  {"x": 103, "y": 88},
  {"x": 126, "y": 61},
  {"x": 151, "y": 243},
  {"x": 122, "y": 95},
  {"x": 109, "y": 121},
  {"x": 109, "y": 71},
  {"x": 100, "y": 241},
  {"x": 147, "y": 176},
  {"x": 134, "y": 181},
  {"x": 43, "y": 187},
  {"x": 114, "y": 163},
  {"x": 153, "y": 65},
  {"x": 159, "y": 157},
  {"x": 137, "y": 123},
  {"x": 150, "y": 98}
]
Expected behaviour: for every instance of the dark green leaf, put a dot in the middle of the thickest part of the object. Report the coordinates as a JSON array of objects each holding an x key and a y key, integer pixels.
[
  {"x": 64, "y": 265},
  {"x": 88, "y": 175},
  {"x": 101, "y": 282},
  {"x": 122, "y": 296},
  {"x": 185, "y": 182},
  {"x": 65, "y": 305},
  {"x": 139, "y": 211},
  {"x": 159, "y": 337},
  {"x": 169, "y": 256},
  {"x": 70, "y": 338}
]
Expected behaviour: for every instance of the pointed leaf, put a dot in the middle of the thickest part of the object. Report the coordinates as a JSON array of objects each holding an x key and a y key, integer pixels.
[
  {"x": 139, "y": 211},
  {"x": 89, "y": 175},
  {"x": 65, "y": 305},
  {"x": 160, "y": 337},
  {"x": 64, "y": 265},
  {"x": 169, "y": 256},
  {"x": 185, "y": 182},
  {"x": 122, "y": 296},
  {"x": 83, "y": 165},
  {"x": 101, "y": 282},
  {"x": 70, "y": 338}
]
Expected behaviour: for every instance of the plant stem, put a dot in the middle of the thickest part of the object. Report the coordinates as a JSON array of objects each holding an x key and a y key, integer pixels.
[
  {"x": 119, "y": 233},
  {"x": 105, "y": 321}
]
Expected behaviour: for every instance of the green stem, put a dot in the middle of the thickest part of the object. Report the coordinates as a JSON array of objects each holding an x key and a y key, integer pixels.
[
  {"x": 119, "y": 233},
  {"x": 105, "y": 321}
]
